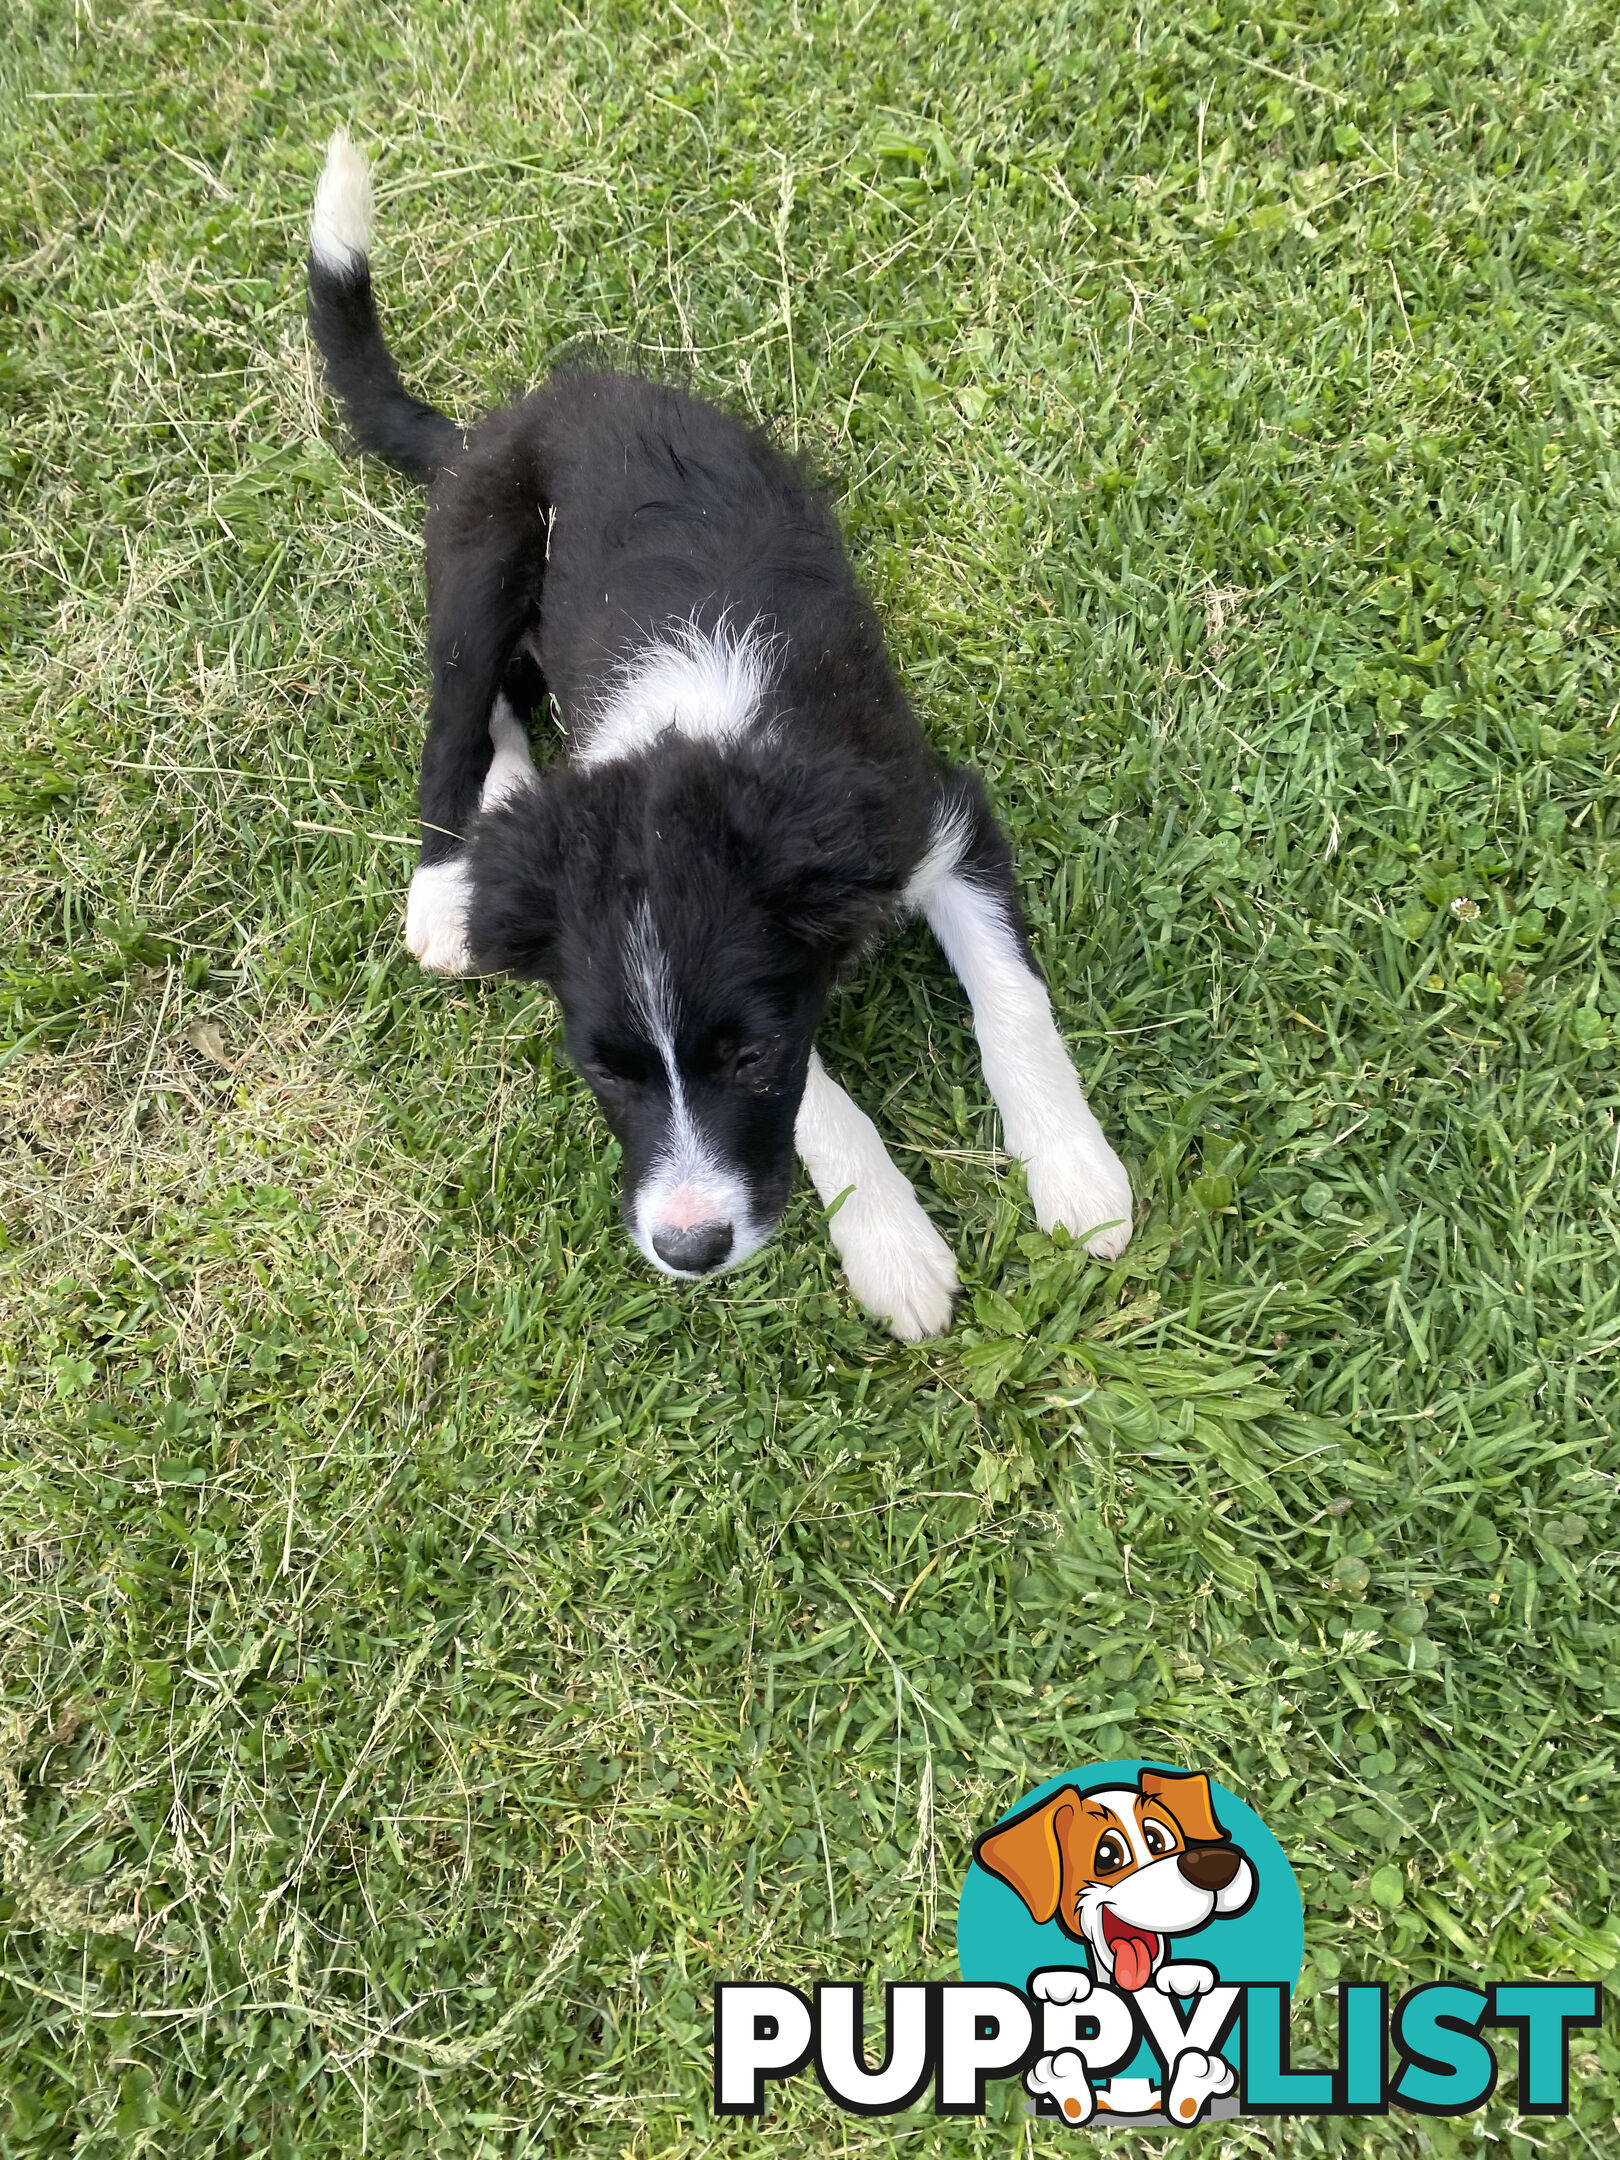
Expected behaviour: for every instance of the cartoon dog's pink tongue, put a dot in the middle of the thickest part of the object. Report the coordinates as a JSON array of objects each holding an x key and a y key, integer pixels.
[{"x": 1134, "y": 1951}]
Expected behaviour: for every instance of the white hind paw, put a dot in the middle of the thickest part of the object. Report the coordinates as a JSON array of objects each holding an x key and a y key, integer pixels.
[
  {"x": 1196, "y": 2080},
  {"x": 1062, "y": 2079},
  {"x": 436, "y": 918}
]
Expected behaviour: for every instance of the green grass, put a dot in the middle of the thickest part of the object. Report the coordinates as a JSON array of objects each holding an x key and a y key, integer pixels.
[{"x": 434, "y": 1652}]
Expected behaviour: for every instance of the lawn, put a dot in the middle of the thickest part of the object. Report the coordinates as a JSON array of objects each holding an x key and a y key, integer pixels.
[{"x": 434, "y": 1652}]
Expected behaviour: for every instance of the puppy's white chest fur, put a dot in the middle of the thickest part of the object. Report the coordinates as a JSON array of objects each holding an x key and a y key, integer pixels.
[{"x": 706, "y": 684}]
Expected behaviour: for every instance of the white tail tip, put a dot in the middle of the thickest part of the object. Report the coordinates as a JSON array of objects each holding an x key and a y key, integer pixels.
[{"x": 340, "y": 230}]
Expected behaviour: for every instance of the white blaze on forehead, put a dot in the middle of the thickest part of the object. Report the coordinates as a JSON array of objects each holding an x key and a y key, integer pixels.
[
  {"x": 705, "y": 684},
  {"x": 688, "y": 1183},
  {"x": 652, "y": 992},
  {"x": 1121, "y": 1802}
]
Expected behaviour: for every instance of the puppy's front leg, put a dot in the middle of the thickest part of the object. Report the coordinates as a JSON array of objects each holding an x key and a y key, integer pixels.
[
  {"x": 1075, "y": 1178},
  {"x": 897, "y": 1264}
]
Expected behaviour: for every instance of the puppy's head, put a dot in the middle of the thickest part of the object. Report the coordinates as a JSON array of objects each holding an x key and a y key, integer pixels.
[
  {"x": 1123, "y": 1869},
  {"x": 690, "y": 908}
]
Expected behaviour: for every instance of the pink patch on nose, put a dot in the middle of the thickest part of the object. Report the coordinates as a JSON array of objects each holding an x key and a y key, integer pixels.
[{"x": 686, "y": 1207}]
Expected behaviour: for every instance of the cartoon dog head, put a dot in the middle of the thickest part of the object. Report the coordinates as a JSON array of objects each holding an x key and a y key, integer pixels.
[{"x": 1123, "y": 1868}]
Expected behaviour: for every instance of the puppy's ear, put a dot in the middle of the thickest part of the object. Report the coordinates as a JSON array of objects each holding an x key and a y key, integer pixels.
[
  {"x": 1027, "y": 1852},
  {"x": 517, "y": 870},
  {"x": 818, "y": 849},
  {"x": 1187, "y": 1796}
]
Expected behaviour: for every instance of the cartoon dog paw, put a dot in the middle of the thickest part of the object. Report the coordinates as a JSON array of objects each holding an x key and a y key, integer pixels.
[
  {"x": 1196, "y": 2080},
  {"x": 1061, "y": 1984},
  {"x": 1184, "y": 1980},
  {"x": 1062, "y": 2078}
]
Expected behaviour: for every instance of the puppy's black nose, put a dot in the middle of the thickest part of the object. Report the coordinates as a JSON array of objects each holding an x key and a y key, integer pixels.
[
  {"x": 696, "y": 1250},
  {"x": 1209, "y": 1867}
]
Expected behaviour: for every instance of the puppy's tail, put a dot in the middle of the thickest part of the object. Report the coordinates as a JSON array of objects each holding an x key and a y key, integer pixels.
[{"x": 385, "y": 417}]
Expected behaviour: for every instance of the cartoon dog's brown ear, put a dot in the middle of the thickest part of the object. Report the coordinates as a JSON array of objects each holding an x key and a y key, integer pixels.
[
  {"x": 1028, "y": 1854},
  {"x": 1186, "y": 1794}
]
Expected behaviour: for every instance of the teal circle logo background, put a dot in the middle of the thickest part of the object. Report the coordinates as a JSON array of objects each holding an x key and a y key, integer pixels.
[{"x": 998, "y": 1939}]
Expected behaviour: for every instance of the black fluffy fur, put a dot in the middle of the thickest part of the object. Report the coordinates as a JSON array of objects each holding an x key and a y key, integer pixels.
[
  {"x": 387, "y": 420},
  {"x": 565, "y": 534}
]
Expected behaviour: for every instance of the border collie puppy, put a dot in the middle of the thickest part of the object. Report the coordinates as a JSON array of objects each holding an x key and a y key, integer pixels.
[{"x": 745, "y": 801}]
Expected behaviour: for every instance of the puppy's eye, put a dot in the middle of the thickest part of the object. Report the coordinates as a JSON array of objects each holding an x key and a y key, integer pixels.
[
  {"x": 611, "y": 1071},
  {"x": 1111, "y": 1855},
  {"x": 1156, "y": 1838},
  {"x": 752, "y": 1064}
]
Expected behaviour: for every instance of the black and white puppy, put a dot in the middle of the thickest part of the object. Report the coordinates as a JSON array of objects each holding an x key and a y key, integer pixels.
[{"x": 744, "y": 802}]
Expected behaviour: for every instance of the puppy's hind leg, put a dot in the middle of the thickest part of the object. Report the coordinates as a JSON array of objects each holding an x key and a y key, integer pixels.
[
  {"x": 485, "y": 544},
  {"x": 1062, "y": 2078},
  {"x": 896, "y": 1262},
  {"x": 971, "y": 903},
  {"x": 512, "y": 766}
]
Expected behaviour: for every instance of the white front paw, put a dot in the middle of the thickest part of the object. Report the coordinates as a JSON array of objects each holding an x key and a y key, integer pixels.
[
  {"x": 1062, "y": 2077},
  {"x": 1061, "y": 1984},
  {"x": 1196, "y": 2080},
  {"x": 1184, "y": 1980},
  {"x": 1081, "y": 1183},
  {"x": 895, "y": 1261},
  {"x": 436, "y": 918}
]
